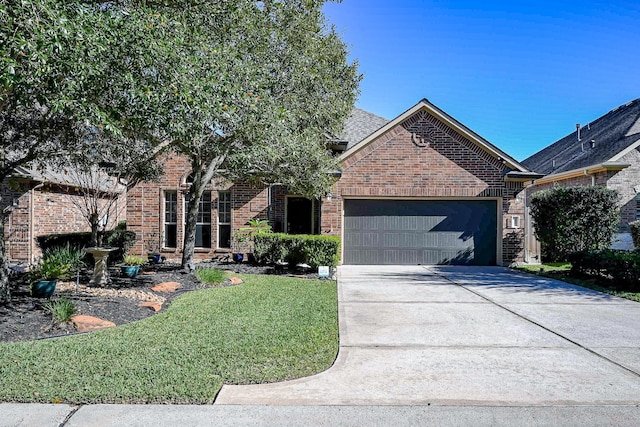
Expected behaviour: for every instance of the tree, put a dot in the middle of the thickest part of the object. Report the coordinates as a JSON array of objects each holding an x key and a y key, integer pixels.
[
  {"x": 251, "y": 95},
  {"x": 571, "y": 219},
  {"x": 99, "y": 179},
  {"x": 58, "y": 86},
  {"x": 251, "y": 85}
]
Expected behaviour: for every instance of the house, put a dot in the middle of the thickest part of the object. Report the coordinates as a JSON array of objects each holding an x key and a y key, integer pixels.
[
  {"x": 42, "y": 202},
  {"x": 603, "y": 152},
  {"x": 419, "y": 189}
]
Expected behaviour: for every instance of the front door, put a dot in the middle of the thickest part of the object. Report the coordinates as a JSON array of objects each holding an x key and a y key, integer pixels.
[{"x": 299, "y": 215}]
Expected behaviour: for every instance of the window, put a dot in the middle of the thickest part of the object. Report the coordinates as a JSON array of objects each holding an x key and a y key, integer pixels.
[
  {"x": 638, "y": 206},
  {"x": 170, "y": 219},
  {"x": 224, "y": 219},
  {"x": 515, "y": 222},
  {"x": 203, "y": 223}
]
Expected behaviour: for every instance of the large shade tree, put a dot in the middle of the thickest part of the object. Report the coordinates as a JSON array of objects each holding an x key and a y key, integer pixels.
[
  {"x": 251, "y": 85},
  {"x": 247, "y": 90}
]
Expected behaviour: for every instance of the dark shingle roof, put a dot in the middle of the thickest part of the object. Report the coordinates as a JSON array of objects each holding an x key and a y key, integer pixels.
[
  {"x": 359, "y": 125},
  {"x": 611, "y": 133}
]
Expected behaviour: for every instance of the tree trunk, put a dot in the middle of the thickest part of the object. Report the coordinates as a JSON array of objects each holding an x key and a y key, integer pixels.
[
  {"x": 94, "y": 221},
  {"x": 193, "y": 199},
  {"x": 5, "y": 292},
  {"x": 202, "y": 175}
]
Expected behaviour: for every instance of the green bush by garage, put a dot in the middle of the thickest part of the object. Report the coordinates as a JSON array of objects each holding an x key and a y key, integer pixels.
[
  {"x": 569, "y": 219},
  {"x": 313, "y": 250}
]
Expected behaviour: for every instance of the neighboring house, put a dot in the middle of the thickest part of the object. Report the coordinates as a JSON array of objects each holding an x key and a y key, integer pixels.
[
  {"x": 419, "y": 189},
  {"x": 605, "y": 152},
  {"x": 41, "y": 203}
]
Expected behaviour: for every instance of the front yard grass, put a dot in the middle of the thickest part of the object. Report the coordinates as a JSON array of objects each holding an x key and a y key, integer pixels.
[
  {"x": 268, "y": 329},
  {"x": 562, "y": 271}
]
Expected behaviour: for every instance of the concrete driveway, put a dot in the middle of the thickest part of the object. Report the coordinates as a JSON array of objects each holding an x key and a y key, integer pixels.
[{"x": 469, "y": 336}]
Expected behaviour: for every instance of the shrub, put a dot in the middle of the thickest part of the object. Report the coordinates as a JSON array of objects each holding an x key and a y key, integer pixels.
[
  {"x": 574, "y": 219},
  {"x": 635, "y": 233},
  {"x": 58, "y": 263},
  {"x": 61, "y": 309},
  {"x": 210, "y": 275},
  {"x": 121, "y": 239},
  {"x": 294, "y": 249},
  {"x": 134, "y": 260},
  {"x": 118, "y": 238},
  {"x": 623, "y": 267}
]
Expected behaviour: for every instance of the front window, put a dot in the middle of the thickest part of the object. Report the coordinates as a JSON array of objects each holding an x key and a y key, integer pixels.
[
  {"x": 170, "y": 219},
  {"x": 224, "y": 219},
  {"x": 203, "y": 223}
]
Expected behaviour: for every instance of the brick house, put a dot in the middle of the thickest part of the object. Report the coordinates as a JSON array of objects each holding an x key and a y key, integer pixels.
[
  {"x": 603, "y": 152},
  {"x": 419, "y": 189},
  {"x": 41, "y": 203}
]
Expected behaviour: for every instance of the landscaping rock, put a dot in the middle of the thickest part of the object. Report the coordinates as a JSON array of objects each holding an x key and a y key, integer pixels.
[
  {"x": 166, "y": 287},
  {"x": 236, "y": 280},
  {"x": 155, "y": 306},
  {"x": 85, "y": 323}
]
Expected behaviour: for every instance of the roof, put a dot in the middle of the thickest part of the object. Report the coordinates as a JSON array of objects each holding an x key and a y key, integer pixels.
[
  {"x": 602, "y": 141},
  {"x": 68, "y": 177},
  {"x": 425, "y": 104},
  {"x": 359, "y": 125}
]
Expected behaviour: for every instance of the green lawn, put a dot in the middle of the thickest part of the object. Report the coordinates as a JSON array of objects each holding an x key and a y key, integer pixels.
[
  {"x": 562, "y": 271},
  {"x": 268, "y": 329}
]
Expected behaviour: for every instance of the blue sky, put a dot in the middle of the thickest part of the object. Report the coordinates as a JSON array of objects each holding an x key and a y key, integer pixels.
[{"x": 519, "y": 73}]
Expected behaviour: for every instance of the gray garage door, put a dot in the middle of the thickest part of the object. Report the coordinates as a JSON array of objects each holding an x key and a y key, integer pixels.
[{"x": 420, "y": 232}]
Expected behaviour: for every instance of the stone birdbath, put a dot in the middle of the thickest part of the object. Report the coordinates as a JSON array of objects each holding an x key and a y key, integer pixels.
[{"x": 100, "y": 272}]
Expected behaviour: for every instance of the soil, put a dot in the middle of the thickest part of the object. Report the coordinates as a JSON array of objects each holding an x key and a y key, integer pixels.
[{"x": 25, "y": 318}]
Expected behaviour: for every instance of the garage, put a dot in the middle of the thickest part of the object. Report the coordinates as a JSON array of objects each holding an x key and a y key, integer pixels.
[{"x": 427, "y": 232}]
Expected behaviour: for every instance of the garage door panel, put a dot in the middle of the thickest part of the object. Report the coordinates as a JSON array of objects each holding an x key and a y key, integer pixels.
[{"x": 420, "y": 232}]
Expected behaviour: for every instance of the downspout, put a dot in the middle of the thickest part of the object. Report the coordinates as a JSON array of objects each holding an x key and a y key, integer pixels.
[
  {"x": 593, "y": 178},
  {"x": 32, "y": 238}
]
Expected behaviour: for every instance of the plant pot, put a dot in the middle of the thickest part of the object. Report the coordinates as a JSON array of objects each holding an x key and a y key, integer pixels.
[
  {"x": 43, "y": 288},
  {"x": 155, "y": 258},
  {"x": 237, "y": 258},
  {"x": 130, "y": 270}
]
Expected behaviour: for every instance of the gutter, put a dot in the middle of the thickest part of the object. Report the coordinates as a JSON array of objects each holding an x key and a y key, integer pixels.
[{"x": 589, "y": 170}]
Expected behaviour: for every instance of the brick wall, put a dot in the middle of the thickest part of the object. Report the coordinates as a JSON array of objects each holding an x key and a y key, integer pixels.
[
  {"x": 627, "y": 183},
  {"x": 145, "y": 209},
  {"x": 38, "y": 211},
  {"x": 425, "y": 158}
]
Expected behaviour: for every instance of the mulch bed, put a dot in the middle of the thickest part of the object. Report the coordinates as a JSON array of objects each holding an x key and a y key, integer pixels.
[{"x": 26, "y": 319}]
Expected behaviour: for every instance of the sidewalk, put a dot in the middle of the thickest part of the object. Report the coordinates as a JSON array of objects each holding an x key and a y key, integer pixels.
[{"x": 33, "y": 415}]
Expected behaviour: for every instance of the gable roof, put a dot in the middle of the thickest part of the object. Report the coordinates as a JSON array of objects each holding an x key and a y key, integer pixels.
[
  {"x": 613, "y": 135},
  {"x": 426, "y": 105}
]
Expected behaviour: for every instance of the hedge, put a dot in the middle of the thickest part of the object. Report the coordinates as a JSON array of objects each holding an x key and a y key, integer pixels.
[
  {"x": 295, "y": 249},
  {"x": 623, "y": 267},
  {"x": 118, "y": 238},
  {"x": 569, "y": 219}
]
